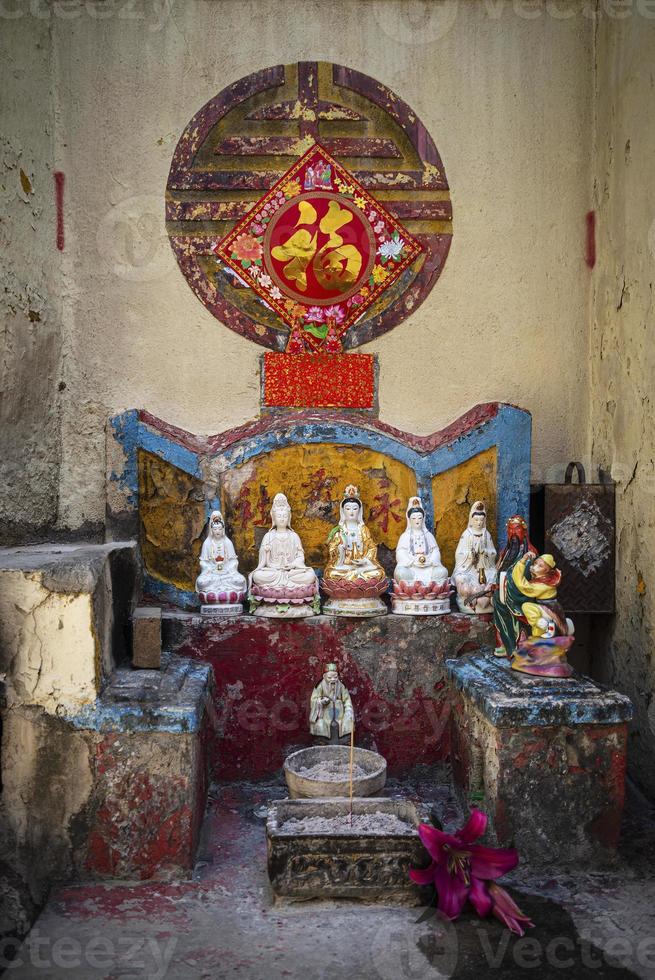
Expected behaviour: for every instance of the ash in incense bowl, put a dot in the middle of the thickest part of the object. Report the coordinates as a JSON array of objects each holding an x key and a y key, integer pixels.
[
  {"x": 323, "y": 771},
  {"x": 333, "y": 772},
  {"x": 373, "y": 822}
]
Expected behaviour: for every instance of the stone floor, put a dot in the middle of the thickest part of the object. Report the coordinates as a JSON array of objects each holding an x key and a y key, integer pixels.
[{"x": 224, "y": 923}]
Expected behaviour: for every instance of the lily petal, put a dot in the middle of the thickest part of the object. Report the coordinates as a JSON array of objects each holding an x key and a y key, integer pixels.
[
  {"x": 479, "y": 898},
  {"x": 452, "y": 893},
  {"x": 491, "y": 862},
  {"x": 506, "y": 909},
  {"x": 433, "y": 841},
  {"x": 474, "y": 827},
  {"x": 423, "y": 876}
]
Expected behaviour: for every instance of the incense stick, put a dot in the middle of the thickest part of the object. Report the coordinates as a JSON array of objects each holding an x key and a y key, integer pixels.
[{"x": 352, "y": 753}]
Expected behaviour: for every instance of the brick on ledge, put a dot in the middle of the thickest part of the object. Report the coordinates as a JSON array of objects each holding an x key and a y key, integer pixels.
[{"x": 146, "y": 637}]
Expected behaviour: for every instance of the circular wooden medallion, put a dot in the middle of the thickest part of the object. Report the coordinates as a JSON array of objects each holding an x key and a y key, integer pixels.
[{"x": 241, "y": 143}]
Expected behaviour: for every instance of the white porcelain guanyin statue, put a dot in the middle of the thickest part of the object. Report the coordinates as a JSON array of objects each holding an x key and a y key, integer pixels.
[
  {"x": 220, "y": 585},
  {"x": 282, "y": 585},
  {"x": 475, "y": 563},
  {"x": 421, "y": 585}
]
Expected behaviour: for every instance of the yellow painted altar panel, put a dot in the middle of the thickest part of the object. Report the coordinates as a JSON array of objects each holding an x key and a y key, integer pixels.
[
  {"x": 172, "y": 508},
  {"x": 171, "y": 519},
  {"x": 314, "y": 478},
  {"x": 455, "y": 491}
]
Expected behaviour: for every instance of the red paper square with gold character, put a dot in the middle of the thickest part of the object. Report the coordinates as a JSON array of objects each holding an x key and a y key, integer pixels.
[{"x": 317, "y": 248}]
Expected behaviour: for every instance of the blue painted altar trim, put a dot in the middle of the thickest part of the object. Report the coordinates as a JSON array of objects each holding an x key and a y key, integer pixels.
[
  {"x": 132, "y": 434},
  {"x": 510, "y": 431},
  {"x": 128, "y": 705},
  {"x": 126, "y": 432},
  {"x": 509, "y": 699},
  {"x": 509, "y": 423},
  {"x": 170, "y": 593},
  {"x": 212, "y": 505},
  {"x": 514, "y": 460},
  {"x": 159, "y": 445},
  {"x": 132, "y": 718},
  {"x": 424, "y": 491},
  {"x": 318, "y": 432},
  {"x": 183, "y": 714}
]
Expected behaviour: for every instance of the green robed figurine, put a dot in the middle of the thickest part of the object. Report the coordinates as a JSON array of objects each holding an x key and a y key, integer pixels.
[{"x": 331, "y": 712}]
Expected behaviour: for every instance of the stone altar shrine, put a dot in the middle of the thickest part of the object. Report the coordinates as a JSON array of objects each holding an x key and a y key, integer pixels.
[{"x": 395, "y": 666}]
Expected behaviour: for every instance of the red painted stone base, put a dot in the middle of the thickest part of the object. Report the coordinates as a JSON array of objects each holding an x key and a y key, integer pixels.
[
  {"x": 265, "y": 671},
  {"x": 556, "y": 793},
  {"x": 150, "y": 791}
]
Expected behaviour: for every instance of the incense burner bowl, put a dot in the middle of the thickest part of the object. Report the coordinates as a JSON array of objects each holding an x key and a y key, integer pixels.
[{"x": 304, "y": 786}]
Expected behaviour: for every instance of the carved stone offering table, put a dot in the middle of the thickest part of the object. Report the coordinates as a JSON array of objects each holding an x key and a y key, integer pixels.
[
  {"x": 313, "y": 852},
  {"x": 544, "y": 757}
]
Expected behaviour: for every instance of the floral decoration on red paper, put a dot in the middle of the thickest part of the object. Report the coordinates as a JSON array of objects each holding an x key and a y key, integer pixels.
[
  {"x": 320, "y": 380},
  {"x": 318, "y": 249}
]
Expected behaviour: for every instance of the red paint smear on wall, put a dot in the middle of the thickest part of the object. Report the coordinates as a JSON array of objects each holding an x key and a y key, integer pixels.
[
  {"x": 59, "y": 205},
  {"x": 145, "y": 824},
  {"x": 590, "y": 257},
  {"x": 263, "y": 687}
]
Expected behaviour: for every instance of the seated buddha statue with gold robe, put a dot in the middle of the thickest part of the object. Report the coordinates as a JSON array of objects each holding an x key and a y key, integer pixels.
[{"x": 353, "y": 579}]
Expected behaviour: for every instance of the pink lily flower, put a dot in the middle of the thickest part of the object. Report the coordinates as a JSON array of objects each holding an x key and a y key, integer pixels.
[{"x": 461, "y": 870}]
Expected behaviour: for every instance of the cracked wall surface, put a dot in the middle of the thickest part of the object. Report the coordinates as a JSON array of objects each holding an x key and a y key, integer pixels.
[
  {"x": 508, "y": 101},
  {"x": 63, "y": 614},
  {"x": 623, "y": 361},
  {"x": 48, "y": 644}
]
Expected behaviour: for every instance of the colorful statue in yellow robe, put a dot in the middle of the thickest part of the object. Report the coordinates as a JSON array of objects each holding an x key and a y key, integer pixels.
[
  {"x": 529, "y": 595},
  {"x": 331, "y": 710},
  {"x": 353, "y": 579}
]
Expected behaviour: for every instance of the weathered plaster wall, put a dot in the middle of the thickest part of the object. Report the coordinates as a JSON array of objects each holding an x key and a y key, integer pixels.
[
  {"x": 507, "y": 97},
  {"x": 30, "y": 296},
  {"x": 623, "y": 360},
  {"x": 47, "y": 780},
  {"x": 63, "y": 621}
]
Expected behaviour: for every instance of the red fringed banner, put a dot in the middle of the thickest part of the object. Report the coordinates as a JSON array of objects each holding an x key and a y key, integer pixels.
[{"x": 319, "y": 380}]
